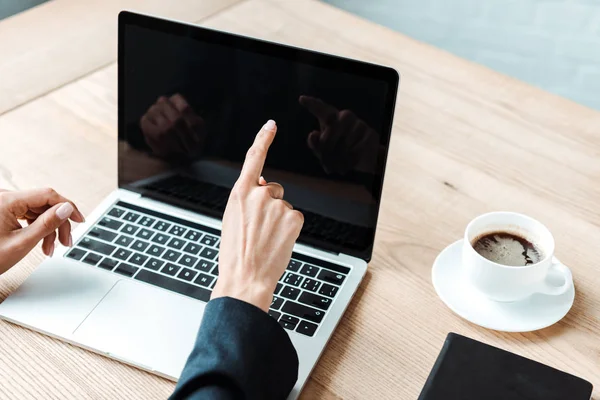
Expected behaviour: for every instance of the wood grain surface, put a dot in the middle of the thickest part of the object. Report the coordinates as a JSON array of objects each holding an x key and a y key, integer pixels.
[{"x": 466, "y": 140}]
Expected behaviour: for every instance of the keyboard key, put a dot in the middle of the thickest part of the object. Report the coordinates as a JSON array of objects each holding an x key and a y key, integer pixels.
[
  {"x": 160, "y": 238},
  {"x": 209, "y": 253},
  {"x": 146, "y": 221},
  {"x": 303, "y": 312},
  {"x": 290, "y": 292},
  {"x": 188, "y": 261},
  {"x": 131, "y": 217},
  {"x": 287, "y": 325},
  {"x": 278, "y": 288},
  {"x": 92, "y": 259},
  {"x": 290, "y": 319},
  {"x": 187, "y": 274},
  {"x": 310, "y": 284},
  {"x": 154, "y": 264},
  {"x": 274, "y": 314},
  {"x": 176, "y": 243},
  {"x": 293, "y": 279},
  {"x": 126, "y": 269},
  {"x": 140, "y": 245},
  {"x": 174, "y": 285},
  {"x": 76, "y": 253},
  {"x": 138, "y": 259},
  {"x": 171, "y": 255},
  {"x": 170, "y": 269},
  {"x": 276, "y": 303},
  {"x": 110, "y": 223},
  {"x": 315, "y": 300},
  {"x": 205, "y": 265},
  {"x": 204, "y": 280},
  {"x": 122, "y": 254},
  {"x": 130, "y": 229},
  {"x": 155, "y": 250},
  {"x": 97, "y": 246},
  {"x": 116, "y": 212},
  {"x": 103, "y": 234},
  {"x": 331, "y": 277},
  {"x": 215, "y": 270},
  {"x": 306, "y": 328},
  {"x": 309, "y": 270},
  {"x": 193, "y": 235},
  {"x": 108, "y": 264},
  {"x": 145, "y": 233},
  {"x": 192, "y": 248},
  {"x": 294, "y": 265},
  {"x": 209, "y": 240},
  {"x": 177, "y": 230},
  {"x": 124, "y": 240},
  {"x": 162, "y": 226},
  {"x": 328, "y": 290}
]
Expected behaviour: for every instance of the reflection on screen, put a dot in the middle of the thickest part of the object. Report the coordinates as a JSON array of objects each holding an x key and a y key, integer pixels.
[{"x": 191, "y": 110}]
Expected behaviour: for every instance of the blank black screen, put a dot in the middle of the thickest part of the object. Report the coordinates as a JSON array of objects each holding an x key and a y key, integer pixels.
[{"x": 191, "y": 101}]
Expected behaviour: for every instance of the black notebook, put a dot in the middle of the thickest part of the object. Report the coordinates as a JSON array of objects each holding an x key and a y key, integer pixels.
[{"x": 470, "y": 370}]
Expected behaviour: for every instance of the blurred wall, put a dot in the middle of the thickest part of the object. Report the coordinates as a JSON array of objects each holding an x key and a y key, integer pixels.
[
  {"x": 553, "y": 44},
  {"x": 11, "y": 7}
]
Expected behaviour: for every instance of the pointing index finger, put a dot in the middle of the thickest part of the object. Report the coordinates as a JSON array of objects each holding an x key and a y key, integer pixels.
[
  {"x": 324, "y": 112},
  {"x": 257, "y": 154}
]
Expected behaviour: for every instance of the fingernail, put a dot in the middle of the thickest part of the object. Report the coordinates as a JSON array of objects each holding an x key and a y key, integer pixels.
[
  {"x": 65, "y": 211},
  {"x": 270, "y": 125},
  {"x": 70, "y": 240},
  {"x": 51, "y": 250}
]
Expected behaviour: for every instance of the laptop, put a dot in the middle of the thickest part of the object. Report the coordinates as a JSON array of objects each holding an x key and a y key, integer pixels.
[{"x": 190, "y": 101}]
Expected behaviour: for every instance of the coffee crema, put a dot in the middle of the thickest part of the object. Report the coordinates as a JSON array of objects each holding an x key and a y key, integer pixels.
[{"x": 507, "y": 249}]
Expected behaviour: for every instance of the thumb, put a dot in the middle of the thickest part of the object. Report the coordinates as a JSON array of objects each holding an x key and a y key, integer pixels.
[{"x": 46, "y": 223}]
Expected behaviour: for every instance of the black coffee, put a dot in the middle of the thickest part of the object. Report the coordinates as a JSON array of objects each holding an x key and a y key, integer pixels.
[{"x": 507, "y": 249}]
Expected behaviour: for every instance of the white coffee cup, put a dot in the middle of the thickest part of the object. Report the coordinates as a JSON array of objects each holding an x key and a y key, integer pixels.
[{"x": 506, "y": 283}]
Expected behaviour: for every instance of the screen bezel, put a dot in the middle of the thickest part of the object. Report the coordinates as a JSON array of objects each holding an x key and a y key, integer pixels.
[{"x": 336, "y": 63}]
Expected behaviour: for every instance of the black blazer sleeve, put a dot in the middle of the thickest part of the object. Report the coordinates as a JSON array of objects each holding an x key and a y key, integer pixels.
[{"x": 240, "y": 353}]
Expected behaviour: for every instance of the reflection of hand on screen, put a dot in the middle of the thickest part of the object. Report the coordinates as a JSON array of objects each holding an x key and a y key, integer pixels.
[
  {"x": 172, "y": 129},
  {"x": 343, "y": 142}
]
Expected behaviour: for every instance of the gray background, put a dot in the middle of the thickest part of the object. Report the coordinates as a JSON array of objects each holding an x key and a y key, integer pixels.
[{"x": 552, "y": 44}]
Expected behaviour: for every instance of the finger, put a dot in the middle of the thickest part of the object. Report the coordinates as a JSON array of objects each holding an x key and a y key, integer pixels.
[
  {"x": 160, "y": 119},
  {"x": 29, "y": 215},
  {"x": 48, "y": 244},
  {"x": 20, "y": 202},
  {"x": 64, "y": 233},
  {"x": 329, "y": 142},
  {"x": 313, "y": 142},
  {"x": 275, "y": 190},
  {"x": 262, "y": 181},
  {"x": 324, "y": 112},
  {"x": 181, "y": 105},
  {"x": 358, "y": 133},
  {"x": 46, "y": 224},
  {"x": 288, "y": 205},
  {"x": 257, "y": 154}
]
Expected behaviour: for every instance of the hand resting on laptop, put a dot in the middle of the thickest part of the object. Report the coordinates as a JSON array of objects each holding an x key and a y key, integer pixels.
[{"x": 45, "y": 212}]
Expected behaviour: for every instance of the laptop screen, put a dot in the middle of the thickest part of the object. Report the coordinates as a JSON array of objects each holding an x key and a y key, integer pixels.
[{"x": 191, "y": 101}]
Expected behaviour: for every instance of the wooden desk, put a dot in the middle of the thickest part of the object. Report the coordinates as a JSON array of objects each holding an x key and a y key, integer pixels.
[{"x": 466, "y": 140}]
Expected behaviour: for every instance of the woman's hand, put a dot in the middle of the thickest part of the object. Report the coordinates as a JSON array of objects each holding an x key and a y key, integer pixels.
[
  {"x": 45, "y": 212},
  {"x": 259, "y": 231}
]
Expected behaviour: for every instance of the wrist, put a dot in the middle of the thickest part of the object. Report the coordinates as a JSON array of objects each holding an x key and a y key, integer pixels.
[{"x": 257, "y": 294}]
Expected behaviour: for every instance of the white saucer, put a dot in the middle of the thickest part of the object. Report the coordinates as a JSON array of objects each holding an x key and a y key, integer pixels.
[{"x": 536, "y": 312}]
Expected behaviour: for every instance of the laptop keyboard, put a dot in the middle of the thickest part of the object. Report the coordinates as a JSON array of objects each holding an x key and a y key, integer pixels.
[
  {"x": 181, "y": 256},
  {"x": 214, "y": 197}
]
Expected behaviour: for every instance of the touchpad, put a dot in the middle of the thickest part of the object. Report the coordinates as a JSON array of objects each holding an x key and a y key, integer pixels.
[{"x": 144, "y": 326}]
